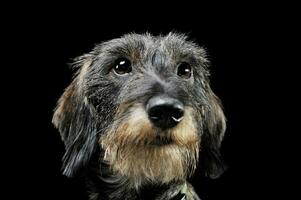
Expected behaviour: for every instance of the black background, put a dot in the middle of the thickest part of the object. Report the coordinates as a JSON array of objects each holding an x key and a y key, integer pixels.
[{"x": 244, "y": 43}]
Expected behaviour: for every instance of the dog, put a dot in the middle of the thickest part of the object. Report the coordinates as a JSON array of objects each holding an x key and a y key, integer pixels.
[{"x": 139, "y": 117}]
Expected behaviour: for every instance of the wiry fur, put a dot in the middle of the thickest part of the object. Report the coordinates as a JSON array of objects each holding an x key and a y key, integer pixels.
[
  {"x": 108, "y": 137},
  {"x": 131, "y": 150}
]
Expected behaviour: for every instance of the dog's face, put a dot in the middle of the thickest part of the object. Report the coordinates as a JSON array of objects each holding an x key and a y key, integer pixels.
[{"x": 144, "y": 104}]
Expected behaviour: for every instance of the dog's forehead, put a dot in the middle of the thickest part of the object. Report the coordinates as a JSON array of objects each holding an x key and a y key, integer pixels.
[
  {"x": 143, "y": 44},
  {"x": 149, "y": 41}
]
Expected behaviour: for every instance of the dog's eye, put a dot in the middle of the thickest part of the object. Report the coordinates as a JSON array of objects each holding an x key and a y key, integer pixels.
[
  {"x": 122, "y": 66},
  {"x": 184, "y": 70}
]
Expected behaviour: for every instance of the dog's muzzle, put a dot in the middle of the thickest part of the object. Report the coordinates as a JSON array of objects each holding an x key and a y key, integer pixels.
[{"x": 164, "y": 112}]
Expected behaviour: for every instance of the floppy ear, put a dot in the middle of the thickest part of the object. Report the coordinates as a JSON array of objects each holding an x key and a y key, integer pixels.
[
  {"x": 214, "y": 126},
  {"x": 75, "y": 121}
]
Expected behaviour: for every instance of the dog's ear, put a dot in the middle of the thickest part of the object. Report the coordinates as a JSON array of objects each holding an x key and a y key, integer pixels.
[
  {"x": 75, "y": 121},
  {"x": 214, "y": 126}
]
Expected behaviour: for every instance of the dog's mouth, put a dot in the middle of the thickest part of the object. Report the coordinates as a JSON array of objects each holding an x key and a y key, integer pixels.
[{"x": 161, "y": 141}]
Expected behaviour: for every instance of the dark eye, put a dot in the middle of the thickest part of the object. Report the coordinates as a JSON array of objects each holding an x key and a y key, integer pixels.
[
  {"x": 122, "y": 66},
  {"x": 184, "y": 70}
]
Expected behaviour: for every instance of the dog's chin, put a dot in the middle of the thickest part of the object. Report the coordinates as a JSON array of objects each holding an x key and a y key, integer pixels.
[{"x": 159, "y": 162}]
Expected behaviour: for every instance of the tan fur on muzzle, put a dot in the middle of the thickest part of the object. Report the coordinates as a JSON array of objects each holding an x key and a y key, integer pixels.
[{"x": 131, "y": 152}]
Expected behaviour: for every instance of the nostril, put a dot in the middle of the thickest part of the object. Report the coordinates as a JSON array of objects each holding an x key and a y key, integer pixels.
[
  {"x": 177, "y": 114},
  {"x": 156, "y": 113},
  {"x": 165, "y": 112}
]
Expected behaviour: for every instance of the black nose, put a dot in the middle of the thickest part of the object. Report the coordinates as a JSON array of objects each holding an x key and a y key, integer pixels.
[{"x": 164, "y": 112}]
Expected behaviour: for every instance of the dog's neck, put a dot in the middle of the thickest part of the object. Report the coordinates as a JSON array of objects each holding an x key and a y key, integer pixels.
[
  {"x": 175, "y": 191},
  {"x": 106, "y": 186}
]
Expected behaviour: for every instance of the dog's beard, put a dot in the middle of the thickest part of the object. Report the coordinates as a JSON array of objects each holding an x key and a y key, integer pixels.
[{"x": 135, "y": 149}]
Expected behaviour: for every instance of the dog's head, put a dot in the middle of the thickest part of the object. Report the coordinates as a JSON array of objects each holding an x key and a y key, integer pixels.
[{"x": 144, "y": 104}]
